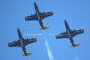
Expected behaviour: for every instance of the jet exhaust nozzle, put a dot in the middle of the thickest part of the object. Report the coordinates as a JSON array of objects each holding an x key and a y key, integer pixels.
[
  {"x": 75, "y": 45},
  {"x": 27, "y": 54},
  {"x": 43, "y": 28}
]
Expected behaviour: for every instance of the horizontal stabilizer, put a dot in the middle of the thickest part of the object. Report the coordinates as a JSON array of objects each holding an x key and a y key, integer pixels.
[
  {"x": 27, "y": 54},
  {"x": 43, "y": 28},
  {"x": 75, "y": 45}
]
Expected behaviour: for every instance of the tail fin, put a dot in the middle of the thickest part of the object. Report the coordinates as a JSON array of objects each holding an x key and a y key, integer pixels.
[
  {"x": 75, "y": 45},
  {"x": 27, "y": 54},
  {"x": 43, "y": 28}
]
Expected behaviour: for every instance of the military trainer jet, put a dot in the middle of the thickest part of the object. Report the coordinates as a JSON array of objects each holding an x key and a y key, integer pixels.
[
  {"x": 39, "y": 16},
  {"x": 70, "y": 34},
  {"x": 22, "y": 43}
]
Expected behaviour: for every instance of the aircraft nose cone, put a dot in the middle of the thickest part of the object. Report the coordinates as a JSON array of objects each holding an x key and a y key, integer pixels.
[
  {"x": 9, "y": 45},
  {"x": 57, "y": 36},
  {"x": 25, "y": 18},
  {"x": 28, "y": 18}
]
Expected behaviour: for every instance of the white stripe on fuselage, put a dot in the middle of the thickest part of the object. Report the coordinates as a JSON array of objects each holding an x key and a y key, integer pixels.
[
  {"x": 21, "y": 42},
  {"x": 38, "y": 16},
  {"x": 68, "y": 32}
]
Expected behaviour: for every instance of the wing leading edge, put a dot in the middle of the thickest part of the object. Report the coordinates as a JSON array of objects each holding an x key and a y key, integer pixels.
[
  {"x": 62, "y": 35},
  {"x": 77, "y": 32},
  {"x": 46, "y": 14},
  {"x": 18, "y": 43},
  {"x": 31, "y": 17},
  {"x": 42, "y": 16},
  {"x": 29, "y": 41},
  {"x": 14, "y": 44},
  {"x": 73, "y": 33}
]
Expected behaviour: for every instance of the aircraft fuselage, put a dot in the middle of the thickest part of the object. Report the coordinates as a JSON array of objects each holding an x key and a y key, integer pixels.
[
  {"x": 21, "y": 39},
  {"x": 68, "y": 30},
  {"x": 37, "y": 11}
]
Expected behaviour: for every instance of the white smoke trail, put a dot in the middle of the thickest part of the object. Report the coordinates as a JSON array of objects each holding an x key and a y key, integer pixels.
[{"x": 49, "y": 51}]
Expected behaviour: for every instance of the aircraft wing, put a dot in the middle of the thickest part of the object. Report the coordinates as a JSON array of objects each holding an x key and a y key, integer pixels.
[
  {"x": 14, "y": 44},
  {"x": 31, "y": 17},
  {"x": 77, "y": 32},
  {"x": 29, "y": 41},
  {"x": 46, "y": 14},
  {"x": 62, "y": 35}
]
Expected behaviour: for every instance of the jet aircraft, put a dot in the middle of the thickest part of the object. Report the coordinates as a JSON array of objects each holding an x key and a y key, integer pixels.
[
  {"x": 39, "y": 16},
  {"x": 70, "y": 34},
  {"x": 21, "y": 42}
]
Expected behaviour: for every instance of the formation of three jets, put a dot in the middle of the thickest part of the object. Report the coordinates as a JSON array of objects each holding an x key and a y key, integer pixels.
[{"x": 39, "y": 17}]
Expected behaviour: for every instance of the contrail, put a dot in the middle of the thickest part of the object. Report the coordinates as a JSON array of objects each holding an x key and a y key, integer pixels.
[{"x": 49, "y": 51}]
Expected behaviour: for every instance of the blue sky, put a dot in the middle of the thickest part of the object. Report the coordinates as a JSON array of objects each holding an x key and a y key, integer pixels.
[{"x": 76, "y": 12}]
